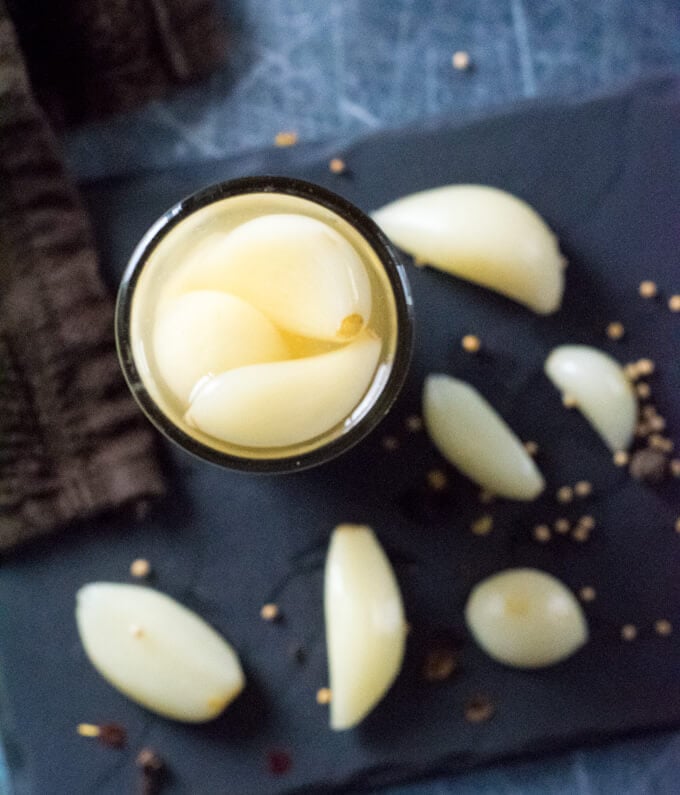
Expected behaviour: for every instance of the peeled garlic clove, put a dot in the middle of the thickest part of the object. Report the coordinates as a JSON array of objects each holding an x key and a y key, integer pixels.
[
  {"x": 600, "y": 389},
  {"x": 207, "y": 332},
  {"x": 526, "y": 618},
  {"x": 298, "y": 271},
  {"x": 285, "y": 403},
  {"x": 470, "y": 434},
  {"x": 157, "y": 652},
  {"x": 482, "y": 234},
  {"x": 365, "y": 625}
]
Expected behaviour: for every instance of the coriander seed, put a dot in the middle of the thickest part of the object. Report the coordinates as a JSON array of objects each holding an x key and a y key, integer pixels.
[
  {"x": 615, "y": 330},
  {"x": 471, "y": 343},
  {"x": 648, "y": 289}
]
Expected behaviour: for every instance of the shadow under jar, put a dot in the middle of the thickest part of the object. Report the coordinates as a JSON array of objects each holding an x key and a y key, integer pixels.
[{"x": 264, "y": 324}]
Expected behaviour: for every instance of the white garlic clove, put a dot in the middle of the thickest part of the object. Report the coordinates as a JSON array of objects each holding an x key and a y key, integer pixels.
[
  {"x": 484, "y": 235},
  {"x": 365, "y": 625},
  {"x": 469, "y": 433},
  {"x": 600, "y": 389},
  {"x": 285, "y": 403},
  {"x": 207, "y": 332},
  {"x": 157, "y": 652},
  {"x": 526, "y": 618},
  {"x": 301, "y": 273}
]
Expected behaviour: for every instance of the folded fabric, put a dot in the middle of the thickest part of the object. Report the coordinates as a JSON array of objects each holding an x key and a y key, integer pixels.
[{"x": 72, "y": 442}]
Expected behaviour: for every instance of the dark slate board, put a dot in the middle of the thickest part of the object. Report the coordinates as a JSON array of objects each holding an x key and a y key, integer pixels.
[{"x": 606, "y": 175}]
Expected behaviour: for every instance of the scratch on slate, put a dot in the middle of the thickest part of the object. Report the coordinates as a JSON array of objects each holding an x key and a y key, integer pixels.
[{"x": 526, "y": 63}]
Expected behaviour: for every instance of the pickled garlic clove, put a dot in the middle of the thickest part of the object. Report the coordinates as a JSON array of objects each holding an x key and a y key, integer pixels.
[
  {"x": 484, "y": 235},
  {"x": 207, "y": 332},
  {"x": 365, "y": 625},
  {"x": 285, "y": 403},
  {"x": 599, "y": 388},
  {"x": 470, "y": 434},
  {"x": 301, "y": 273},
  {"x": 157, "y": 652},
  {"x": 525, "y": 618}
]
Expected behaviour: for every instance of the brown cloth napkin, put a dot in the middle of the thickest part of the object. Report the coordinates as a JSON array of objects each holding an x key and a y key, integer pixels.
[{"x": 73, "y": 444}]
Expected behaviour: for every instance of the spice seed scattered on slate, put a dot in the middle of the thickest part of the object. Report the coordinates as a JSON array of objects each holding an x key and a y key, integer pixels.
[
  {"x": 675, "y": 467},
  {"x": 437, "y": 480},
  {"x": 645, "y": 366},
  {"x": 483, "y": 525},
  {"x": 478, "y": 709},
  {"x": 323, "y": 695},
  {"x": 390, "y": 443},
  {"x": 471, "y": 343},
  {"x": 140, "y": 568},
  {"x": 580, "y": 534},
  {"x": 631, "y": 371},
  {"x": 279, "y": 762},
  {"x": 564, "y": 494},
  {"x": 153, "y": 772},
  {"x": 440, "y": 664},
  {"x": 677, "y": 525},
  {"x": 542, "y": 533},
  {"x": 88, "y": 730},
  {"x": 587, "y": 593},
  {"x": 659, "y": 442},
  {"x": 643, "y": 390},
  {"x": 615, "y": 330},
  {"x": 112, "y": 735},
  {"x": 629, "y": 632},
  {"x": 663, "y": 627},
  {"x": 583, "y": 488},
  {"x": 674, "y": 303},
  {"x": 621, "y": 458},
  {"x": 414, "y": 423},
  {"x": 531, "y": 448},
  {"x": 269, "y": 612},
  {"x": 337, "y": 166},
  {"x": 569, "y": 402},
  {"x": 562, "y": 526},
  {"x": 648, "y": 289},
  {"x": 648, "y": 465}
]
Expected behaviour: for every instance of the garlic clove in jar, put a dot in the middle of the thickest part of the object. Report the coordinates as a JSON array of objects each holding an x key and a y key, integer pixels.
[
  {"x": 525, "y": 618},
  {"x": 600, "y": 389},
  {"x": 484, "y": 235},
  {"x": 285, "y": 403},
  {"x": 157, "y": 652},
  {"x": 300, "y": 272},
  {"x": 471, "y": 435},
  {"x": 206, "y": 332},
  {"x": 365, "y": 625}
]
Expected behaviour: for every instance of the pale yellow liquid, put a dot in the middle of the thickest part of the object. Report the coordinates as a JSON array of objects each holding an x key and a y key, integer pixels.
[{"x": 165, "y": 277}]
